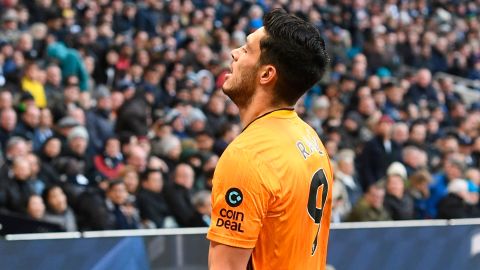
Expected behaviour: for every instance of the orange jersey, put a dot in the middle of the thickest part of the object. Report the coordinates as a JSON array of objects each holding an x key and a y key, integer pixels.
[{"x": 272, "y": 192}]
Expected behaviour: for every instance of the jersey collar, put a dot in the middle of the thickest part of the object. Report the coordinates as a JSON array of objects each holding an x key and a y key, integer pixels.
[{"x": 280, "y": 113}]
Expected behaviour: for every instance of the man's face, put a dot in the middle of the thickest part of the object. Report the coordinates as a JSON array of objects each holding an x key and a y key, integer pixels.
[
  {"x": 240, "y": 84},
  {"x": 118, "y": 194},
  {"x": 78, "y": 145},
  {"x": 375, "y": 197},
  {"x": 155, "y": 182},
  {"x": 32, "y": 117}
]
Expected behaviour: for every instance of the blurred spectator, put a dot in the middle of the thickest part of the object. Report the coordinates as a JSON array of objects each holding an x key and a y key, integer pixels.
[
  {"x": 203, "y": 204},
  {"x": 151, "y": 199},
  {"x": 378, "y": 154},
  {"x": 109, "y": 163},
  {"x": 31, "y": 83},
  {"x": 132, "y": 115},
  {"x": 131, "y": 179},
  {"x": 345, "y": 175},
  {"x": 27, "y": 127},
  {"x": 73, "y": 164},
  {"x": 99, "y": 123},
  {"x": 70, "y": 63},
  {"x": 179, "y": 198},
  {"x": 397, "y": 202},
  {"x": 58, "y": 211},
  {"x": 35, "y": 207},
  {"x": 8, "y": 122},
  {"x": 414, "y": 159},
  {"x": 419, "y": 190},
  {"x": 455, "y": 204},
  {"x": 19, "y": 187},
  {"x": 452, "y": 169},
  {"x": 370, "y": 206}
]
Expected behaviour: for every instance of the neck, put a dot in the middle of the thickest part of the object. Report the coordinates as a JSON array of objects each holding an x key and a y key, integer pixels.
[{"x": 259, "y": 106}]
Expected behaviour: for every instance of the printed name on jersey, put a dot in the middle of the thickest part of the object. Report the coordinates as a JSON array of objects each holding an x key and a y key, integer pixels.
[
  {"x": 231, "y": 220},
  {"x": 309, "y": 145}
]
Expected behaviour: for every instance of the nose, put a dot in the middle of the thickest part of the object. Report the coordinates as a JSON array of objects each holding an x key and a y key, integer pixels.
[{"x": 234, "y": 54}]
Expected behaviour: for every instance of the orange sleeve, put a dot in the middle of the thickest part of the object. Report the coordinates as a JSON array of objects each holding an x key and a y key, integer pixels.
[{"x": 239, "y": 201}]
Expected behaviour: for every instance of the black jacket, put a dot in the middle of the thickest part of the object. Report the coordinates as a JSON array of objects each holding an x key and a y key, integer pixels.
[
  {"x": 132, "y": 117},
  {"x": 180, "y": 203},
  {"x": 152, "y": 206},
  {"x": 373, "y": 161},
  {"x": 399, "y": 209}
]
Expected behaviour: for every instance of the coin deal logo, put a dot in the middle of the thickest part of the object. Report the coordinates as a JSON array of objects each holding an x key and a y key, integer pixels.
[{"x": 234, "y": 197}]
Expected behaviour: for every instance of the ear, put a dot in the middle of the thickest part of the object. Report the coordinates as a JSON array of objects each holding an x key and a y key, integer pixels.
[{"x": 268, "y": 75}]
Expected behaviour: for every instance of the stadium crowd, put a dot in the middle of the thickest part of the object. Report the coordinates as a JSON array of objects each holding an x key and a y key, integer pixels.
[{"x": 112, "y": 114}]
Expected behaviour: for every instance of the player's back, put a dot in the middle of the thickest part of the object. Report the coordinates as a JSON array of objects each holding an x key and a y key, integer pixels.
[{"x": 292, "y": 167}]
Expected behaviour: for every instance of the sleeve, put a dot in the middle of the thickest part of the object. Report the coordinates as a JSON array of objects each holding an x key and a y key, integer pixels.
[{"x": 240, "y": 200}]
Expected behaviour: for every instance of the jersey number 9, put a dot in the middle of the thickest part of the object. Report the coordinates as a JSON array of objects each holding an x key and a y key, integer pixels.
[{"x": 318, "y": 185}]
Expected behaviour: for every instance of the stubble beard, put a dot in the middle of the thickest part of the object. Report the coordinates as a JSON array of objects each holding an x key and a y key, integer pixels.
[{"x": 243, "y": 90}]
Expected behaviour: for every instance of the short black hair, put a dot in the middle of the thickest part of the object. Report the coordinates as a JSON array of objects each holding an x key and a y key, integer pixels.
[
  {"x": 297, "y": 50},
  {"x": 112, "y": 184}
]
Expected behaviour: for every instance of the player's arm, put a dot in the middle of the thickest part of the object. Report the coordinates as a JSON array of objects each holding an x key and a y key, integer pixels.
[{"x": 225, "y": 257}]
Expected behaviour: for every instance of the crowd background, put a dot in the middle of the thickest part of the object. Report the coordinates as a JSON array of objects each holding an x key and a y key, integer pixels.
[{"x": 112, "y": 114}]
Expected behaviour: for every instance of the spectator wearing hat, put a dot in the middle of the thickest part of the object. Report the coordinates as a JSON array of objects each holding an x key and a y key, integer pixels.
[
  {"x": 9, "y": 31},
  {"x": 397, "y": 202},
  {"x": 98, "y": 120},
  {"x": 378, "y": 154},
  {"x": 63, "y": 128},
  {"x": 74, "y": 165}
]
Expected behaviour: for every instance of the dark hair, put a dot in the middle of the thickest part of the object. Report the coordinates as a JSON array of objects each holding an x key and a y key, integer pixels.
[
  {"x": 297, "y": 51},
  {"x": 115, "y": 183},
  {"x": 144, "y": 176}
]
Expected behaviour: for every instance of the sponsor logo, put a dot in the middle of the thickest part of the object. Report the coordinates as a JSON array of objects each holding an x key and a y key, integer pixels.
[
  {"x": 230, "y": 220},
  {"x": 234, "y": 197}
]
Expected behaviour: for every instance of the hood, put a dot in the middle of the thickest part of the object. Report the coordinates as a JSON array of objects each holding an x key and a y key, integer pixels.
[{"x": 57, "y": 50}]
